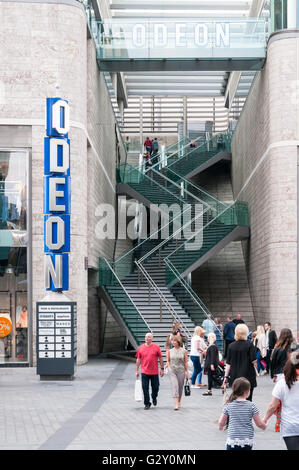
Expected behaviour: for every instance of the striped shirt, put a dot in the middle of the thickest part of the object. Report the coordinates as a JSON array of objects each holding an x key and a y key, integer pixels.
[{"x": 240, "y": 427}]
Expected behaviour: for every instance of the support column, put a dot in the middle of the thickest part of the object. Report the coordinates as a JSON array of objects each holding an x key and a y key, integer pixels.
[
  {"x": 141, "y": 122},
  {"x": 114, "y": 82},
  {"x": 214, "y": 115},
  {"x": 292, "y": 14},
  {"x": 120, "y": 103}
]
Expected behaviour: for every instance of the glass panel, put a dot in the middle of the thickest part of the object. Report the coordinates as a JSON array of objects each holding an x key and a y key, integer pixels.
[
  {"x": 125, "y": 307},
  {"x": 13, "y": 304},
  {"x": 277, "y": 14},
  {"x": 188, "y": 39},
  {"x": 212, "y": 233},
  {"x": 285, "y": 14},
  {"x": 13, "y": 256}
]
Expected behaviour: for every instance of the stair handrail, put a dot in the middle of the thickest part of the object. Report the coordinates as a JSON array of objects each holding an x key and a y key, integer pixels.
[
  {"x": 158, "y": 154},
  {"x": 192, "y": 235},
  {"x": 154, "y": 181},
  {"x": 172, "y": 220},
  {"x": 194, "y": 296},
  {"x": 176, "y": 273},
  {"x": 172, "y": 154},
  {"x": 202, "y": 228},
  {"x": 128, "y": 295},
  {"x": 162, "y": 298},
  {"x": 167, "y": 223},
  {"x": 178, "y": 276},
  {"x": 191, "y": 151},
  {"x": 196, "y": 186},
  {"x": 174, "y": 183}
]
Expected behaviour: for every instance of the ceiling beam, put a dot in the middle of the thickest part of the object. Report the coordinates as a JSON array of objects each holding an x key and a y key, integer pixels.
[{"x": 178, "y": 5}]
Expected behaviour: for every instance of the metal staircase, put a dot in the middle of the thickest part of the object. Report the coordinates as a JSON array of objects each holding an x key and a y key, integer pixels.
[{"x": 145, "y": 288}]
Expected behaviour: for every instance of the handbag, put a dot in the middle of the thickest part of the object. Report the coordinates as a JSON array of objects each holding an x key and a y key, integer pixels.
[
  {"x": 187, "y": 389},
  {"x": 138, "y": 390}
]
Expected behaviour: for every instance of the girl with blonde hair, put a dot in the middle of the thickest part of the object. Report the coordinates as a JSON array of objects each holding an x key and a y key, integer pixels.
[
  {"x": 261, "y": 349},
  {"x": 211, "y": 361}
]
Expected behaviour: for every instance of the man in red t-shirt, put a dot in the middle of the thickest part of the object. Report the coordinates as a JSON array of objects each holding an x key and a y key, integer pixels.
[{"x": 148, "y": 355}]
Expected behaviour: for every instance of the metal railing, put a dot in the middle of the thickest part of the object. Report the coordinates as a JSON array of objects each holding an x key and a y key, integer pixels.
[
  {"x": 193, "y": 295},
  {"x": 125, "y": 291},
  {"x": 163, "y": 300}
]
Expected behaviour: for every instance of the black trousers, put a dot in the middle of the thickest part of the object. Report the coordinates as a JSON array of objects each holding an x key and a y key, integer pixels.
[
  {"x": 268, "y": 361},
  {"x": 145, "y": 381},
  {"x": 210, "y": 378}
]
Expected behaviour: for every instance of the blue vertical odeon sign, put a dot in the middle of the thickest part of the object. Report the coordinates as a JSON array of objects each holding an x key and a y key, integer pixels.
[{"x": 57, "y": 184}]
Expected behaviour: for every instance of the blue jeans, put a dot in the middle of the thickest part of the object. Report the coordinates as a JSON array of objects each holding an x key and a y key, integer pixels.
[
  {"x": 145, "y": 381},
  {"x": 199, "y": 380},
  {"x": 196, "y": 368},
  {"x": 258, "y": 361}
]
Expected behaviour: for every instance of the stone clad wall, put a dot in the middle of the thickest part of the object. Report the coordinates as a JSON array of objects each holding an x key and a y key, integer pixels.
[
  {"x": 40, "y": 50},
  {"x": 264, "y": 173},
  {"x": 44, "y": 44}
]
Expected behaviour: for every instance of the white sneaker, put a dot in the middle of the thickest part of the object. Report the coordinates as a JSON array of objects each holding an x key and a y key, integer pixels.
[
  {"x": 193, "y": 386},
  {"x": 264, "y": 372}
]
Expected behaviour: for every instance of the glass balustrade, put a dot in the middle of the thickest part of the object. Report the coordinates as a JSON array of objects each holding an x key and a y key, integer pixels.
[
  {"x": 123, "y": 303},
  {"x": 199, "y": 244}
]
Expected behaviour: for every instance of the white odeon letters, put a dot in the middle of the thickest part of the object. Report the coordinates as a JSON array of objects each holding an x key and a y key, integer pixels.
[
  {"x": 57, "y": 195},
  {"x": 163, "y": 35}
]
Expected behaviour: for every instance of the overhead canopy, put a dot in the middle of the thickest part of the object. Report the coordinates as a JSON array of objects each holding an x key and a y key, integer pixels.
[
  {"x": 179, "y": 8},
  {"x": 206, "y": 71}
]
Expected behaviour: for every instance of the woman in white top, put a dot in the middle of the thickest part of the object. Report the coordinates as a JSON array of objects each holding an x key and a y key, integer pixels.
[
  {"x": 197, "y": 349},
  {"x": 286, "y": 392},
  {"x": 261, "y": 353}
]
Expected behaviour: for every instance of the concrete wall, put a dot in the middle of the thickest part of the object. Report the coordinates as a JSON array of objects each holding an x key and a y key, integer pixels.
[
  {"x": 222, "y": 282},
  {"x": 264, "y": 170}
]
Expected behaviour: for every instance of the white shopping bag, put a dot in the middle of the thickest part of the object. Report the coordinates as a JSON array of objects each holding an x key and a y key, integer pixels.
[
  {"x": 225, "y": 396},
  {"x": 138, "y": 390}
]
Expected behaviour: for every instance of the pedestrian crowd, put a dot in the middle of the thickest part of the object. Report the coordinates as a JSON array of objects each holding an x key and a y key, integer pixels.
[{"x": 246, "y": 355}]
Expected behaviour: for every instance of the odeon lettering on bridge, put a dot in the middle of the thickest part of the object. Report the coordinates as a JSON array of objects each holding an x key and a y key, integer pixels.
[{"x": 57, "y": 185}]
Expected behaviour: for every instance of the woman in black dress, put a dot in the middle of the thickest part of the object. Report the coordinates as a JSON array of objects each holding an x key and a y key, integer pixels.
[
  {"x": 241, "y": 359},
  {"x": 211, "y": 361},
  {"x": 281, "y": 353}
]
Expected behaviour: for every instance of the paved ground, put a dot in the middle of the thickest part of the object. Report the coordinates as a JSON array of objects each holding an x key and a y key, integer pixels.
[{"x": 97, "y": 411}]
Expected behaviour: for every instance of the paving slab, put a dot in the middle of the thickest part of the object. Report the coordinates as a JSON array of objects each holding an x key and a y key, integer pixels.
[{"x": 97, "y": 411}]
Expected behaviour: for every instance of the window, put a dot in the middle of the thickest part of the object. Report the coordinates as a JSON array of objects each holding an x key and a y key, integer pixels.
[{"x": 13, "y": 256}]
